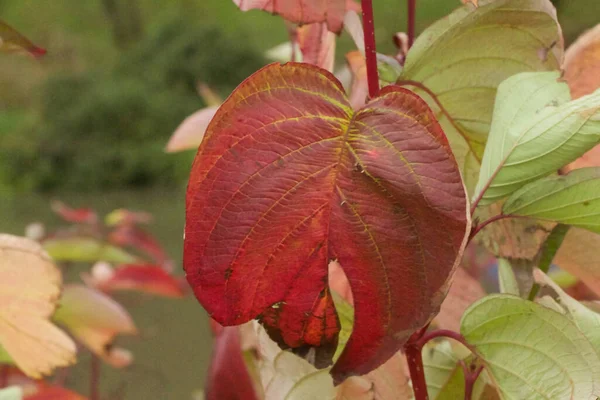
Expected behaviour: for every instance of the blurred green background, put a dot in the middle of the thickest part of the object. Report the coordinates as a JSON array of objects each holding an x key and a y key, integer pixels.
[{"x": 88, "y": 124}]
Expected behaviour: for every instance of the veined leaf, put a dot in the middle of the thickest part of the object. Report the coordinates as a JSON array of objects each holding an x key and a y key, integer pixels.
[
  {"x": 582, "y": 63},
  {"x": 13, "y": 41},
  {"x": 288, "y": 178},
  {"x": 317, "y": 45},
  {"x": 536, "y": 130},
  {"x": 305, "y": 11},
  {"x": 586, "y": 320},
  {"x": 463, "y": 58},
  {"x": 30, "y": 285},
  {"x": 530, "y": 351},
  {"x": 572, "y": 199}
]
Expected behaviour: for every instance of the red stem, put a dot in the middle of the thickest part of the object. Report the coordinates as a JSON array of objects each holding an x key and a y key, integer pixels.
[
  {"x": 415, "y": 366},
  {"x": 370, "y": 48},
  {"x": 412, "y": 6},
  {"x": 95, "y": 378},
  {"x": 479, "y": 227}
]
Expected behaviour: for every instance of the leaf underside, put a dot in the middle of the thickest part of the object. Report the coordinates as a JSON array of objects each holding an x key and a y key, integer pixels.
[{"x": 288, "y": 178}]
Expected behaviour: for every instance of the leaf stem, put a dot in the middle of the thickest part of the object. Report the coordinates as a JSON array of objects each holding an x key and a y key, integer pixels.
[
  {"x": 413, "y": 351},
  {"x": 479, "y": 227},
  {"x": 370, "y": 48},
  {"x": 412, "y": 6},
  {"x": 471, "y": 376},
  {"x": 95, "y": 378}
]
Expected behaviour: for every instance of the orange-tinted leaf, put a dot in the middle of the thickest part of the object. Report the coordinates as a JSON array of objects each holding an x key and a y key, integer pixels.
[
  {"x": 29, "y": 289},
  {"x": 74, "y": 215},
  {"x": 190, "y": 133},
  {"x": 474, "y": 2},
  {"x": 582, "y": 64},
  {"x": 228, "y": 377},
  {"x": 317, "y": 45},
  {"x": 147, "y": 278},
  {"x": 360, "y": 85},
  {"x": 13, "y": 41},
  {"x": 465, "y": 290},
  {"x": 95, "y": 320},
  {"x": 305, "y": 11},
  {"x": 290, "y": 178}
]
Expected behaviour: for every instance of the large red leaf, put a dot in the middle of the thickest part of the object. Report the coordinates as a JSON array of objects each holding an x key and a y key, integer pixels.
[
  {"x": 288, "y": 178},
  {"x": 305, "y": 11}
]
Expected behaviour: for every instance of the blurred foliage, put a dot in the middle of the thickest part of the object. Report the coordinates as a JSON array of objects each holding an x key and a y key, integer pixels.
[{"x": 107, "y": 129}]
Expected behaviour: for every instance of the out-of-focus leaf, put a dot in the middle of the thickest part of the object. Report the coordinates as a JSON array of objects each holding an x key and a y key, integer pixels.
[
  {"x": 465, "y": 290},
  {"x": 123, "y": 216},
  {"x": 228, "y": 377},
  {"x": 190, "y": 132},
  {"x": 463, "y": 57},
  {"x": 146, "y": 278},
  {"x": 511, "y": 336},
  {"x": 36, "y": 389},
  {"x": 572, "y": 199},
  {"x": 536, "y": 130},
  {"x": 353, "y": 25},
  {"x": 360, "y": 84},
  {"x": 317, "y": 45},
  {"x": 95, "y": 320},
  {"x": 51, "y": 392},
  {"x": 13, "y": 41},
  {"x": 586, "y": 320},
  {"x": 11, "y": 393},
  {"x": 74, "y": 215},
  {"x": 81, "y": 249},
  {"x": 294, "y": 178},
  {"x": 134, "y": 237},
  {"x": 580, "y": 256},
  {"x": 30, "y": 285},
  {"x": 305, "y": 11},
  {"x": 582, "y": 63},
  {"x": 512, "y": 238}
]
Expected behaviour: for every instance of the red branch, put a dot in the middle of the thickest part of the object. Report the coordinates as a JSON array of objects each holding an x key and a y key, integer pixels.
[
  {"x": 370, "y": 49},
  {"x": 412, "y": 6}
]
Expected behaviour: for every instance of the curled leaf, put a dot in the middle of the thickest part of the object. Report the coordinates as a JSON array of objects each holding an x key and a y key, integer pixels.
[
  {"x": 317, "y": 45},
  {"x": 291, "y": 177},
  {"x": 29, "y": 289},
  {"x": 360, "y": 85},
  {"x": 190, "y": 132},
  {"x": 95, "y": 320},
  {"x": 305, "y": 11}
]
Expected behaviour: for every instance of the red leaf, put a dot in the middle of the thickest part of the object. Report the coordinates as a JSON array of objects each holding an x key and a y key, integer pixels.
[
  {"x": 50, "y": 392},
  {"x": 288, "y": 178},
  {"x": 228, "y": 377},
  {"x": 131, "y": 236},
  {"x": 74, "y": 215},
  {"x": 305, "y": 11},
  {"x": 151, "y": 279},
  {"x": 317, "y": 45}
]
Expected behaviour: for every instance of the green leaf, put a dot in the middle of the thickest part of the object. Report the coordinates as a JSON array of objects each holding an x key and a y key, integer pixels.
[
  {"x": 531, "y": 351},
  {"x": 11, "y": 393},
  {"x": 345, "y": 313},
  {"x": 464, "y": 57},
  {"x": 86, "y": 250},
  {"x": 535, "y": 131},
  {"x": 572, "y": 199},
  {"x": 547, "y": 253},
  {"x": 442, "y": 372},
  {"x": 506, "y": 278},
  {"x": 586, "y": 320}
]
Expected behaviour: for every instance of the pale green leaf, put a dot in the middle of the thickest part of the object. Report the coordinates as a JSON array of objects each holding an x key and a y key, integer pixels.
[
  {"x": 442, "y": 372},
  {"x": 530, "y": 351},
  {"x": 463, "y": 57},
  {"x": 587, "y": 320},
  {"x": 11, "y": 393},
  {"x": 317, "y": 385},
  {"x": 86, "y": 250},
  {"x": 572, "y": 199},
  {"x": 345, "y": 313},
  {"x": 535, "y": 131},
  {"x": 506, "y": 278}
]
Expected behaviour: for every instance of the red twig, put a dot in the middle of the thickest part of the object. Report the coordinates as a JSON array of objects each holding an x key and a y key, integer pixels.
[
  {"x": 477, "y": 228},
  {"x": 412, "y": 6},
  {"x": 470, "y": 379},
  {"x": 95, "y": 378},
  {"x": 370, "y": 48},
  {"x": 415, "y": 366}
]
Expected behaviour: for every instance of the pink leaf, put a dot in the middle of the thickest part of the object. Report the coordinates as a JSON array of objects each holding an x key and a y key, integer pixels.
[{"x": 190, "y": 133}]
